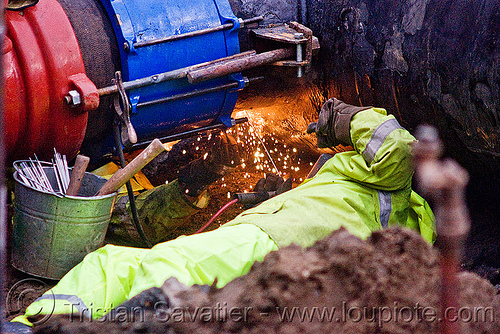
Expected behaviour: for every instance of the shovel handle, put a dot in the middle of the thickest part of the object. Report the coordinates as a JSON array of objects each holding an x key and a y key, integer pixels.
[
  {"x": 123, "y": 175},
  {"x": 77, "y": 174}
]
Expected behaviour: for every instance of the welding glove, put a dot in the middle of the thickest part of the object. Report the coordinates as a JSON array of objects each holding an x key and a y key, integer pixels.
[
  {"x": 219, "y": 161},
  {"x": 273, "y": 182},
  {"x": 266, "y": 187},
  {"x": 163, "y": 209},
  {"x": 333, "y": 126}
]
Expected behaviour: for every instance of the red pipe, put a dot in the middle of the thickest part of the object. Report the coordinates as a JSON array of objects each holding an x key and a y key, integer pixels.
[{"x": 43, "y": 63}]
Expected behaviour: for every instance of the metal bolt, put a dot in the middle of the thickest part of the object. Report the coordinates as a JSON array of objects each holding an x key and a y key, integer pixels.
[
  {"x": 299, "y": 60},
  {"x": 246, "y": 81},
  {"x": 73, "y": 99},
  {"x": 126, "y": 47},
  {"x": 299, "y": 35}
]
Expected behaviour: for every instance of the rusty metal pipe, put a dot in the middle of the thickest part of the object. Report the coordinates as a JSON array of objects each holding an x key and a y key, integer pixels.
[
  {"x": 206, "y": 71},
  {"x": 444, "y": 183},
  {"x": 238, "y": 65},
  {"x": 167, "y": 76}
]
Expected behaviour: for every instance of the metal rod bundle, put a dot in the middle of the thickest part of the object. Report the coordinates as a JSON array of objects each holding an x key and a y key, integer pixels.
[
  {"x": 61, "y": 171},
  {"x": 33, "y": 173}
]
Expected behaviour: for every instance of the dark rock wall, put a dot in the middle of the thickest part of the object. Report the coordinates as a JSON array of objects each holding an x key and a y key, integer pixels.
[
  {"x": 426, "y": 61},
  {"x": 434, "y": 61},
  {"x": 273, "y": 11}
]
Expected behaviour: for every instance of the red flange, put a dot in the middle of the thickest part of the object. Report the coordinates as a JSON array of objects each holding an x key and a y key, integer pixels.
[{"x": 42, "y": 64}]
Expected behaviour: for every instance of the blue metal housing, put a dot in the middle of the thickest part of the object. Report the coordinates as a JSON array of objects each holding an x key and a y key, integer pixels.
[{"x": 138, "y": 21}]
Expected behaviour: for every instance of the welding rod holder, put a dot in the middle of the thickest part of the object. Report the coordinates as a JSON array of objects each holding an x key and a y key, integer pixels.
[{"x": 253, "y": 197}]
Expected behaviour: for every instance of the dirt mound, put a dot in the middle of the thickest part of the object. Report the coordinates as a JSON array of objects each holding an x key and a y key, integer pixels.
[{"x": 387, "y": 284}]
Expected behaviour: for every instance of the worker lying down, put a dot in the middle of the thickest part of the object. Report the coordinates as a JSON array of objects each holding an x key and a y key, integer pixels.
[{"x": 362, "y": 190}]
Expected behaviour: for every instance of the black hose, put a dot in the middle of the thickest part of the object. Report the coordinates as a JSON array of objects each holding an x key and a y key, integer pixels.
[{"x": 130, "y": 191}]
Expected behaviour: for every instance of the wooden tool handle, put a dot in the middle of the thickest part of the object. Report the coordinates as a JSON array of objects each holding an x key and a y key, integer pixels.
[
  {"x": 77, "y": 174},
  {"x": 125, "y": 174}
]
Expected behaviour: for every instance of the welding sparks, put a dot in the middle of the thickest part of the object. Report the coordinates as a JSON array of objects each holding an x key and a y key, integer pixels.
[{"x": 263, "y": 151}]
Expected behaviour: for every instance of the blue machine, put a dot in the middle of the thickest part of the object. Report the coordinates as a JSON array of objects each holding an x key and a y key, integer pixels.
[{"x": 141, "y": 28}]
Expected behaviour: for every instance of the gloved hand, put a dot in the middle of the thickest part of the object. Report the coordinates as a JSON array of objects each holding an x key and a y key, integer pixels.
[
  {"x": 265, "y": 188},
  {"x": 273, "y": 183},
  {"x": 333, "y": 126}
]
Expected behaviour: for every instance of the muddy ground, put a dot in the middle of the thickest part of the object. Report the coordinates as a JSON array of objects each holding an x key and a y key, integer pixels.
[{"x": 388, "y": 284}]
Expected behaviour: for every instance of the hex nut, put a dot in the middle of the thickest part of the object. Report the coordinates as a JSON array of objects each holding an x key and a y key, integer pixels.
[
  {"x": 298, "y": 35},
  {"x": 73, "y": 98}
]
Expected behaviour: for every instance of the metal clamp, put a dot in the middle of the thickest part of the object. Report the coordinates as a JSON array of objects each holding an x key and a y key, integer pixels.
[
  {"x": 84, "y": 95},
  {"x": 296, "y": 34},
  {"x": 122, "y": 109}
]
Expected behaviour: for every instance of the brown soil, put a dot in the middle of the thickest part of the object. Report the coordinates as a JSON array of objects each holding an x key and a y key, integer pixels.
[{"x": 387, "y": 284}]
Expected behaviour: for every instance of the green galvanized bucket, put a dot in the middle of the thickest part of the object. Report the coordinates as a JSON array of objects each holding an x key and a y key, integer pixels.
[{"x": 52, "y": 234}]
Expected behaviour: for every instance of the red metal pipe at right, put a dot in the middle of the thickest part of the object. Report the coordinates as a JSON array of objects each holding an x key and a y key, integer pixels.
[{"x": 444, "y": 181}]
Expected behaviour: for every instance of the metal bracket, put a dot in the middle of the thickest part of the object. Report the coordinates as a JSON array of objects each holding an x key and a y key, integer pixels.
[
  {"x": 296, "y": 34},
  {"x": 84, "y": 94},
  {"x": 122, "y": 109}
]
